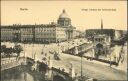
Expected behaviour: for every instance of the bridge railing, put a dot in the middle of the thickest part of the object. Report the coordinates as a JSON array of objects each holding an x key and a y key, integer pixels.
[
  {"x": 60, "y": 71},
  {"x": 9, "y": 65},
  {"x": 81, "y": 49}
]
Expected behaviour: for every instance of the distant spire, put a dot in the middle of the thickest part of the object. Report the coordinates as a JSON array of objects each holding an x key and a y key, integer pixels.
[{"x": 101, "y": 24}]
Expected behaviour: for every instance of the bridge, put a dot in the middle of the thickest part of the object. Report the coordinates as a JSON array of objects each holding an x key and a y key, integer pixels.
[
  {"x": 84, "y": 48},
  {"x": 8, "y": 63},
  {"x": 55, "y": 74},
  {"x": 80, "y": 49}
]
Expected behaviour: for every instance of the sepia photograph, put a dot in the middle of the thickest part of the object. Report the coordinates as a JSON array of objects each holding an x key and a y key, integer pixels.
[{"x": 66, "y": 40}]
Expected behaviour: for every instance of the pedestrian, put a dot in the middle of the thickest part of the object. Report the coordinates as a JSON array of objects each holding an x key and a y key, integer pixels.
[
  {"x": 110, "y": 63},
  {"x": 122, "y": 58},
  {"x": 63, "y": 70}
]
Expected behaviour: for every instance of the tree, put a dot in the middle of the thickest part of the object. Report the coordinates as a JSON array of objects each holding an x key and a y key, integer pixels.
[
  {"x": 8, "y": 52},
  {"x": 3, "y": 47},
  {"x": 17, "y": 49}
]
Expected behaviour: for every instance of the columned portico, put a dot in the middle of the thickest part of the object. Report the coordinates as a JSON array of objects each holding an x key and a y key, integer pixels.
[{"x": 69, "y": 34}]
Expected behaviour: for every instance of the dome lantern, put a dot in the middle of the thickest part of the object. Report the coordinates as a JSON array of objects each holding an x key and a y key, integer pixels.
[{"x": 64, "y": 14}]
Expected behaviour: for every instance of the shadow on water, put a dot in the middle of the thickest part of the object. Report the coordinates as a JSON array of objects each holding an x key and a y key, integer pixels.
[
  {"x": 10, "y": 74},
  {"x": 20, "y": 73},
  {"x": 58, "y": 78}
]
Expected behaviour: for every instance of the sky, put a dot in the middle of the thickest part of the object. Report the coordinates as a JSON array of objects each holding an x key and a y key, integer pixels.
[{"x": 84, "y": 14}]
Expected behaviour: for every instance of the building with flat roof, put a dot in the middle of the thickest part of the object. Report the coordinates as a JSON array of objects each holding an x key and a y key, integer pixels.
[
  {"x": 112, "y": 33},
  {"x": 53, "y": 32}
]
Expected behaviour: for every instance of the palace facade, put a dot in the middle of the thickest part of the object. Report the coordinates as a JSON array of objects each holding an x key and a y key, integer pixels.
[{"x": 53, "y": 32}]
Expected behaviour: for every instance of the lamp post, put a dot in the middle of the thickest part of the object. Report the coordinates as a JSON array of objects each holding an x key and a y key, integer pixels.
[
  {"x": 24, "y": 49},
  {"x": 68, "y": 45},
  {"x": 25, "y": 59},
  {"x": 32, "y": 50},
  {"x": 81, "y": 68},
  {"x": 58, "y": 48},
  {"x": 24, "y": 52}
]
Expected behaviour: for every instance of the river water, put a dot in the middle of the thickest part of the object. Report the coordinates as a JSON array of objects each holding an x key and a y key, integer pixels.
[{"x": 21, "y": 74}]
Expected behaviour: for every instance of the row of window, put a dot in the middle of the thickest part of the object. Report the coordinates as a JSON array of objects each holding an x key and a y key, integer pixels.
[
  {"x": 26, "y": 29},
  {"x": 6, "y": 29},
  {"x": 45, "y": 29},
  {"x": 27, "y": 34},
  {"x": 6, "y": 38},
  {"x": 44, "y": 34},
  {"x": 49, "y": 30},
  {"x": 6, "y": 32},
  {"x": 26, "y": 39},
  {"x": 30, "y": 31},
  {"x": 37, "y": 39},
  {"x": 6, "y": 35},
  {"x": 30, "y": 36},
  {"x": 60, "y": 35},
  {"x": 47, "y": 34}
]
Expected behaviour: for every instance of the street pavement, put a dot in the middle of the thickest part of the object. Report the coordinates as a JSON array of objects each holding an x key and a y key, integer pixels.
[{"x": 90, "y": 68}]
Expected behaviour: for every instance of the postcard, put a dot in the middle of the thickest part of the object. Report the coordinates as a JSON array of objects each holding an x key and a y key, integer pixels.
[{"x": 64, "y": 40}]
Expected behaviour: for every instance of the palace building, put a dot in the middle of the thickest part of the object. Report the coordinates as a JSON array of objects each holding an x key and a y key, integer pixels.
[
  {"x": 53, "y": 32},
  {"x": 6, "y": 33}
]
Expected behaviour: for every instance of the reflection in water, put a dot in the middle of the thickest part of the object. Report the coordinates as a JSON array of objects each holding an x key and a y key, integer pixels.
[
  {"x": 19, "y": 75},
  {"x": 23, "y": 76}
]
